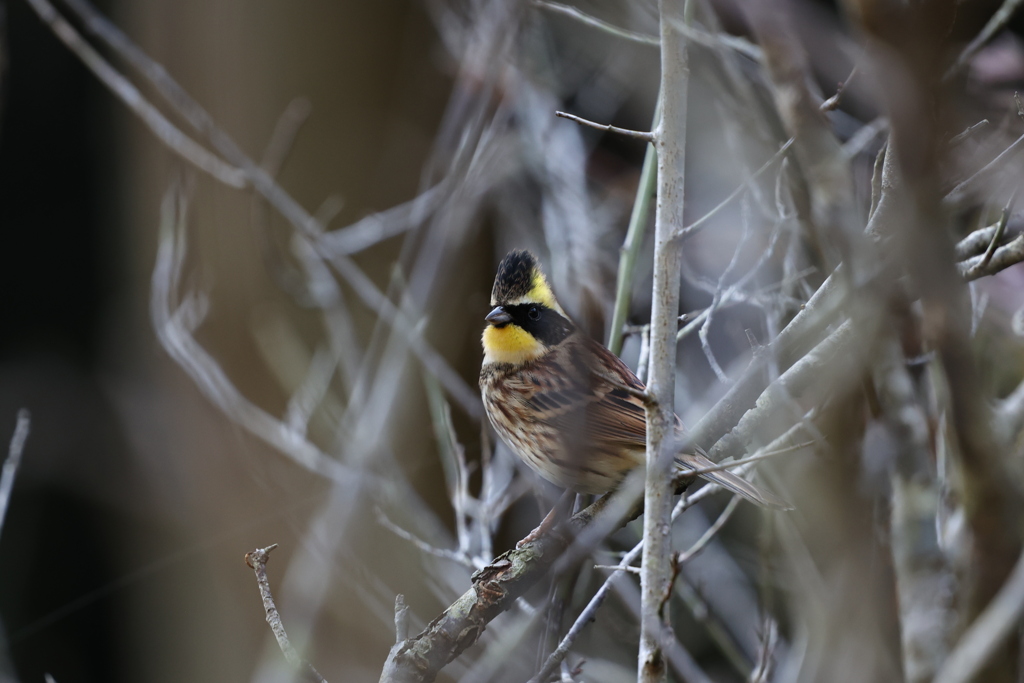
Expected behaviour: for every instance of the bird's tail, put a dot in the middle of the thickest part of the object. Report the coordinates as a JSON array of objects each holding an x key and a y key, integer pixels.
[{"x": 732, "y": 482}]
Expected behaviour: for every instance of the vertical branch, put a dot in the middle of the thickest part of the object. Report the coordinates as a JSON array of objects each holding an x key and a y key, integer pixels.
[{"x": 670, "y": 143}]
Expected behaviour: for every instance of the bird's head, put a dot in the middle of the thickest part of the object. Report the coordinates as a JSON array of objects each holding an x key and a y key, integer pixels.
[{"x": 526, "y": 320}]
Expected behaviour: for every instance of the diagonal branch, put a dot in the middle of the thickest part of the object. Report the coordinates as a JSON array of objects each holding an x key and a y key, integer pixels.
[{"x": 495, "y": 588}]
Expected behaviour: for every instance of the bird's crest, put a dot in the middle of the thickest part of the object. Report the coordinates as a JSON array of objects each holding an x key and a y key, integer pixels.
[{"x": 520, "y": 280}]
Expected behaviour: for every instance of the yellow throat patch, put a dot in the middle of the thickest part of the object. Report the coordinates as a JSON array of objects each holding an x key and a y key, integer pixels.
[{"x": 510, "y": 344}]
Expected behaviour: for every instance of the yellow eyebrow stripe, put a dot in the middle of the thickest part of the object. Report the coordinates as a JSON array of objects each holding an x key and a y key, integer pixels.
[{"x": 541, "y": 293}]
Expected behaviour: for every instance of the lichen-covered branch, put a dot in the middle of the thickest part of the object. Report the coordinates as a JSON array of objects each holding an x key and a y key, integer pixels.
[{"x": 495, "y": 588}]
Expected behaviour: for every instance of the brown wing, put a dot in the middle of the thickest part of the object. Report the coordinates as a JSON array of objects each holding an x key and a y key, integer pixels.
[{"x": 577, "y": 390}]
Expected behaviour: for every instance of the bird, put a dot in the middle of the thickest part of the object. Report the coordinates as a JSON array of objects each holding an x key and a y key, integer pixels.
[{"x": 565, "y": 404}]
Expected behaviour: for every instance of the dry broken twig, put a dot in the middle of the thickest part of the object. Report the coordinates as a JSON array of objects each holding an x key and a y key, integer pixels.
[{"x": 257, "y": 561}]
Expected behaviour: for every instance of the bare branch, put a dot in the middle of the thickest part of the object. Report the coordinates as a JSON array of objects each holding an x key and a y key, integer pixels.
[
  {"x": 1000, "y": 229},
  {"x": 671, "y": 144},
  {"x": 257, "y": 561}
]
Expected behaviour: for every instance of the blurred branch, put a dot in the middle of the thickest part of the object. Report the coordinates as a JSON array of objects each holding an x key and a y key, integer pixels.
[
  {"x": 832, "y": 103},
  {"x": 963, "y": 190},
  {"x": 637, "y": 134},
  {"x": 1000, "y": 620},
  {"x": 839, "y": 356},
  {"x": 968, "y": 132},
  {"x": 257, "y": 561},
  {"x": 996, "y": 23},
  {"x": 383, "y": 225},
  {"x": 169, "y": 134},
  {"x": 1001, "y": 259},
  {"x": 285, "y": 131},
  {"x": 975, "y": 243},
  {"x": 1000, "y": 229},
  {"x": 656, "y": 576},
  {"x": 600, "y": 24},
  {"x": 467, "y": 398},
  {"x": 822, "y": 163},
  {"x": 13, "y": 461},
  {"x": 174, "y": 323},
  {"x": 925, "y": 583}
]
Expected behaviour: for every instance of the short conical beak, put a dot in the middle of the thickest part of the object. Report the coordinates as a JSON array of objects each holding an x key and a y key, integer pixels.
[{"x": 498, "y": 317}]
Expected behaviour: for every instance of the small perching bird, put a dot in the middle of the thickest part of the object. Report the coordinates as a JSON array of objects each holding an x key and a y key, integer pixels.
[{"x": 563, "y": 402}]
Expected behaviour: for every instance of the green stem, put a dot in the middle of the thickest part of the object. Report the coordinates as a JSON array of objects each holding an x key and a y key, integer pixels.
[{"x": 634, "y": 240}]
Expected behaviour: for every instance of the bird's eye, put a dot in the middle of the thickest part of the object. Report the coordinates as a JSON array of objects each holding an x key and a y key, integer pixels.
[{"x": 534, "y": 313}]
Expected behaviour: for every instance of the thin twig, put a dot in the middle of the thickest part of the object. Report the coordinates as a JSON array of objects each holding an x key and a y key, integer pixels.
[
  {"x": 710, "y": 533},
  {"x": 422, "y": 545},
  {"x": 705, "y": 328},
  {"x": 967, "y": 132},
  {"x": 701, "y": 222},
  {"x": 960, "y": 192},
  {"x": 257, "y": 561},
  {"x": 588, "y": 20},
  {"x": 285, "y": 131},
  {"x": 1000, "y": 229},
  {"x": 10, "y": 469},
  {"x": 638, "y": 134},
  {"x": 832, "y": 103}
]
